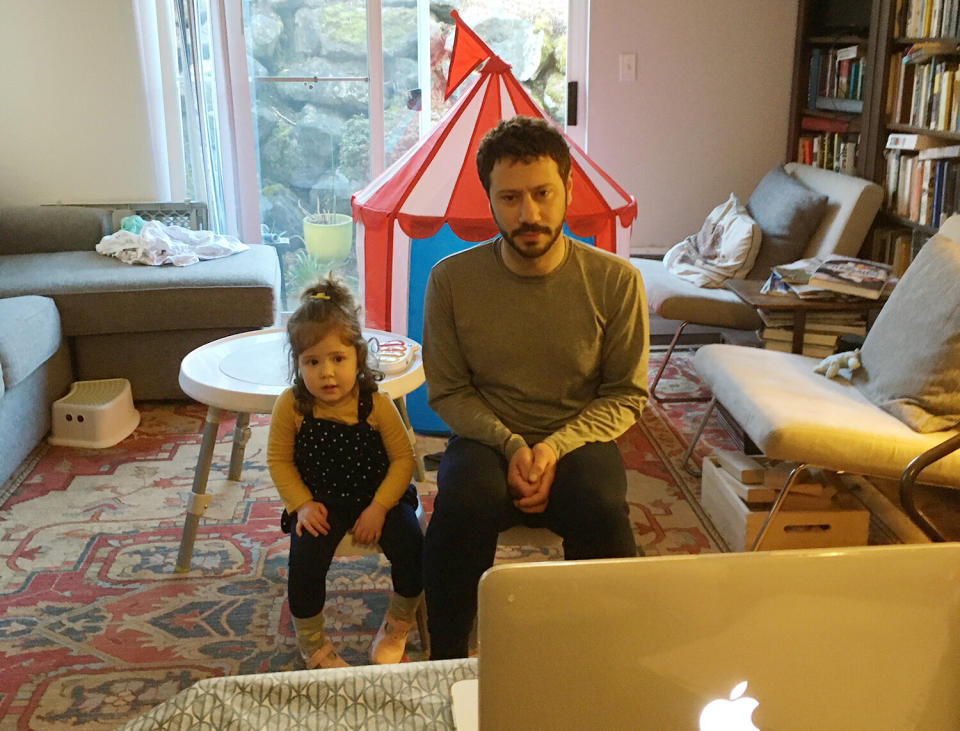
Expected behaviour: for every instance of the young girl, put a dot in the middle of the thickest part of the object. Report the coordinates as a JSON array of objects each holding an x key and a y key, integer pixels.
[{"x": 341, "y": 459}]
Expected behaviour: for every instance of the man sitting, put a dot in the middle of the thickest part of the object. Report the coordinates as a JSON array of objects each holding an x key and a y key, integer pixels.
[{"x": 535, "y": 350}]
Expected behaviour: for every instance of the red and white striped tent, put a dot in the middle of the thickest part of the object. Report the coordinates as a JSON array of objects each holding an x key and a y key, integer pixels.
[{"x": 436, "y": 182}]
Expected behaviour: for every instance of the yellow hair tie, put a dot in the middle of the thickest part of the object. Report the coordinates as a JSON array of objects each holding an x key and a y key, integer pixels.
[{"x": 320, "y": 296}]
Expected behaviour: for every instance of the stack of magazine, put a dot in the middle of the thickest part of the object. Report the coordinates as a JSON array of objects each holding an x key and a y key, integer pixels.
[
  {"x": 832, "y": 276},
  {"x": 836, "y": 277}
]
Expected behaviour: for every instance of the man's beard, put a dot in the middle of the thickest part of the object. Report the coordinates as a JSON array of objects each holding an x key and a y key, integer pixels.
[{"x": 531, "y": 251}]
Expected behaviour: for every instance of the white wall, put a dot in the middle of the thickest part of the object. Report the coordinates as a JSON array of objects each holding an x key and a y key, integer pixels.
[
  {"x": 73, "y": 125},
  {"x": 708, "y": 112}
]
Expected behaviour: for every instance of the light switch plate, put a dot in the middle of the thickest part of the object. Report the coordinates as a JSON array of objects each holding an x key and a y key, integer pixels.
[{"x": 628, "y": 67}]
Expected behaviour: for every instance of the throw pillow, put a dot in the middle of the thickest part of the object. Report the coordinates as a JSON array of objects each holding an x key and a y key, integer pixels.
[
  {"x": 911, "y": 356},
  {"x": 724, "y": 248},
  {"x": 788, "y": 212}
]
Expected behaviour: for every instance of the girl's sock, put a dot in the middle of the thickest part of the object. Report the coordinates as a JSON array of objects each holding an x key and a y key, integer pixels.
[
  {"x": 404, "y": 608},
  {"x": 310, "y": 634},
  {"x": 315, "y": 649}
]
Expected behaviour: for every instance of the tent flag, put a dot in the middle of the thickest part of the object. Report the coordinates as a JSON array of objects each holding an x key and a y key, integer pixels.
[
  {"x": 468, "y": 53},
  {"x": 435, "y": 183}
]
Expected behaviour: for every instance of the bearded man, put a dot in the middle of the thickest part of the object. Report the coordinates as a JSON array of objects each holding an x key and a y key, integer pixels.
[{"x": 535, "y": 350}]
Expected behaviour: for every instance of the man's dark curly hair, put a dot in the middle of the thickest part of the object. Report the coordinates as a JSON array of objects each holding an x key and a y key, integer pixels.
[
  {"x": 327, "y": 306},
  {"x": 522, "y": 139}
]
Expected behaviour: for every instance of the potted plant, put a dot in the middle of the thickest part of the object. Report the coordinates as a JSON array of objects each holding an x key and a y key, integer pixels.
[{"x": 327, "y": 235}]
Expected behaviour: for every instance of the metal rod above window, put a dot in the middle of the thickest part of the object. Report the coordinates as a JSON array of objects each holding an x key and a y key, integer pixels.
[{"x": 311, "y": 79}]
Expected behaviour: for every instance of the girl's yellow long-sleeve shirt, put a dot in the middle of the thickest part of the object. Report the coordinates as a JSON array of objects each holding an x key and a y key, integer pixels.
[{"x": 286, "y": 422}]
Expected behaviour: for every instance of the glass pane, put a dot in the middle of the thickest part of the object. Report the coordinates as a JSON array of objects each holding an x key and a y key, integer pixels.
[
  {"x": 310, "y": 95},
  {"x": 530, "y": 35},
  {"x": 401, "y": 92}
]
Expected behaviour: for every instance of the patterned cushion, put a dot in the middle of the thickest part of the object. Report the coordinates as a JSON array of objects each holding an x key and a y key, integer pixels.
[
  {"x": 724, "y": 248},
  {"x": 788, "y": 213}
]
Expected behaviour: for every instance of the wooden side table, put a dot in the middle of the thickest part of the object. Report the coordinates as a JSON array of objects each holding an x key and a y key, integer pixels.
[{"x": 749, "y": 291}]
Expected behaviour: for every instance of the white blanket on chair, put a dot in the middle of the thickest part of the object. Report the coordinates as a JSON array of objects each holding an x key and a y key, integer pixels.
[
  {"x": 158, "y": 243},
  {"x": 725, "y": 247}
]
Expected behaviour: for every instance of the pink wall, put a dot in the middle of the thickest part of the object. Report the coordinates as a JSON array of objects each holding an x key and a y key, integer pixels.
[{"x": 707, "y": 115}]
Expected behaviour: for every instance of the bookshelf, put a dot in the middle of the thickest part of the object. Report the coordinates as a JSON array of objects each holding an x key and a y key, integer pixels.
[
  {"x": 918, "y": 103},
  {"x": 834, "y": 87},
  {"x": 921, "y": 118}
]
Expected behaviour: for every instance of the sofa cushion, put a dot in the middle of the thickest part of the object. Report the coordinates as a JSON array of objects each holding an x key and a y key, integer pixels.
[
  {"x": 98, "y": 294},
  {"x": 911, "y": 356},
  {"x": 788, "y": 212},
  {"x": 29, "y": 336},
  {"x": 38, "y": 229}
]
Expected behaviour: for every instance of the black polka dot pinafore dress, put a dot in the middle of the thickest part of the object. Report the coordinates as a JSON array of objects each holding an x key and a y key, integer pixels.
[{"x": 340, "y": 463}]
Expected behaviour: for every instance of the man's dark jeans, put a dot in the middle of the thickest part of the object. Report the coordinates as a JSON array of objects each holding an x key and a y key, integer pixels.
[{"x": 587, "y": 508}]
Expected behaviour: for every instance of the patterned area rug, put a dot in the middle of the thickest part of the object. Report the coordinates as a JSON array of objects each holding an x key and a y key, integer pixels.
[{"x": 95, "y": 627}]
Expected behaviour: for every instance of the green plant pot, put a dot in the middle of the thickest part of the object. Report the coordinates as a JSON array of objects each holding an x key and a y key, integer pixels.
[{"x": 329, "y": 240}]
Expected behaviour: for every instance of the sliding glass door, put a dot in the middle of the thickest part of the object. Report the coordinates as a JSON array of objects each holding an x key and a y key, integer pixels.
[{"x": 339, "y": 89}]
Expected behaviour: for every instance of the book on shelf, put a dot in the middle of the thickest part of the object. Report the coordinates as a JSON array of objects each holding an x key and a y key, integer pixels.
[
  {"x": 816, "y": 58},
  {"x": 838, "y": 104},
  {"x": 816, "y": 123},
  {"x": 810, "y": 337},
  {"x": 850, "y": 275},
  {"x": 922, "y": 51},
  {"x": 813, "y": 351},
  {"x": 939, "y": 153},
  {"x": 891, "y": 178},
  {"x": 911, "y": 141},
  {"x": 923, "y": 187}
]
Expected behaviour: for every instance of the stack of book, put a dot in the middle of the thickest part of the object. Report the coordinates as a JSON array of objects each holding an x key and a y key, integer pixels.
[
  {"x": 820, "y": 336},
  {"x": 922, "y": 178},
  {"x": 922, "y": 87},
  {"x": 836, "y": 79},
  {"x": 926, "y": 19},
  {"x": 829, "y": 143}
]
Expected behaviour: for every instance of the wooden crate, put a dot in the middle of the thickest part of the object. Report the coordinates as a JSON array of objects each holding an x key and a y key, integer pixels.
[{"x": 805, "y": 521}]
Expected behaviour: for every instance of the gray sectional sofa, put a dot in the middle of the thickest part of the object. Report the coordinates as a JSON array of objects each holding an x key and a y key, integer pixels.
[{"x": 68, "y": 314}]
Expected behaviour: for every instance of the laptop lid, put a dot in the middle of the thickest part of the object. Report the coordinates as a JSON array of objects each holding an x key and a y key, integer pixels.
[{"x": 850, "y": 638}]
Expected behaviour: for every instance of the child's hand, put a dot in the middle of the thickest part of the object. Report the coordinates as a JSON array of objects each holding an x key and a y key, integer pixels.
[
  {"x": 367, "y": 529},
  {"x": 312, "y": 516}
]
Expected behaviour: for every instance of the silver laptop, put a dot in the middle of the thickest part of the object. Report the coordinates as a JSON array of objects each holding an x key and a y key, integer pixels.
[{"x": 852, "y": 638}]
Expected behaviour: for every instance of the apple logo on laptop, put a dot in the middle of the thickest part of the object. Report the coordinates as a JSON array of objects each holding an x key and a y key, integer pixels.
[{"x": 730, "y": 715}]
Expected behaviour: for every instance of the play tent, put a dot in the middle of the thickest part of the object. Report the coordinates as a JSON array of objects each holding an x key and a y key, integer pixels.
[{"x": 430, "y": 202}]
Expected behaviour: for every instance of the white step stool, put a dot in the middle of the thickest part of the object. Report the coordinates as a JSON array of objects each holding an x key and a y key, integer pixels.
[{"x": 94, "y": 414}]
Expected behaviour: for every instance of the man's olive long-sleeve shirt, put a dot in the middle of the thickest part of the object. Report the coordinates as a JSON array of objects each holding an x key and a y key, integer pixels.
[{"x": 559, "y": 358}]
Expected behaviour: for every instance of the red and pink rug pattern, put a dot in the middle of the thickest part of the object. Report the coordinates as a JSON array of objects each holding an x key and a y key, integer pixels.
[{"x": 95, "y": 626}]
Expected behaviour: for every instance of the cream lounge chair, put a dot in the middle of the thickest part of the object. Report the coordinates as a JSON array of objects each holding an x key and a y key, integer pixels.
[
  {"x": 852, "y": 204},
  {"x": 899, "y": 417}
]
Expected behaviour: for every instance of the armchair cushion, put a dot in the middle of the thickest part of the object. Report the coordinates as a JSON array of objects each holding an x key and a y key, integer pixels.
[
  {"x": 794, "y": 414},
  {"x": 788, "y": 212},
  {"x": 911, "y": 356}
]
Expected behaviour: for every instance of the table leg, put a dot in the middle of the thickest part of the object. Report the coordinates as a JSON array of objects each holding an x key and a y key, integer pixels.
[
  {"x": 241, "y": 435},
  {"x": 198, "y": 501},
  {"x": 799, "y": 325},
  {"x": 419, "y": 472}
]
